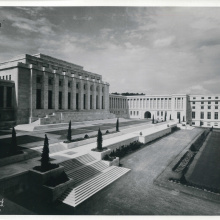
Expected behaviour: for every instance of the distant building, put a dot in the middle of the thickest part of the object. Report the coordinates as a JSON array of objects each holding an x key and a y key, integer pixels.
[{"x": 49, "y": 90}]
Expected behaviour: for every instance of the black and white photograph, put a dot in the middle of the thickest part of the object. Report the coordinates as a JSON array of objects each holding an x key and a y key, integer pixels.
[{"x": 109, "y": 109}]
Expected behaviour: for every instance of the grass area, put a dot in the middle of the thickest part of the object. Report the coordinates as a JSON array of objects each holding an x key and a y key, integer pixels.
[
  {"x": 74, "y": 132},
  {"x": 24, "y": 139},
  {"x": 4, "y": 133},
  {"x": 207, "y": 168}
]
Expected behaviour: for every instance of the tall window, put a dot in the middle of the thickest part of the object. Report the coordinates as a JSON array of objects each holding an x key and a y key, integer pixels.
[
  {"x": 90, "y": 101},
  {"x": 201, "y": 115},
  {"x": 96, "y": 102},
  {"x": 84, "y": 101},
  {"x": 50, "y": 94},
  {"x": 208, "y": 115},
  {"x": 69, "y": 98},
  {"x": 9, "y": 97},
  {"x": 77, "y": 101},
  {"x": 60, "y": 100},
  {"x": 216, "y": 115},
  {"x": 1, "y": 96},
  {"x": 38, "y": 99},
  {"x": 102, "y": 103},
  {"x": 193, "y": 115}
]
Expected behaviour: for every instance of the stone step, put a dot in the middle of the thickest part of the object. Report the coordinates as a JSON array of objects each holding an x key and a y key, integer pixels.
[{"x": 75, "y": 196}]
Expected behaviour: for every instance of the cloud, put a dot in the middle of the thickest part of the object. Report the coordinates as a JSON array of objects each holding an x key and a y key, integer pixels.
[
  {"x": 164, "y": 42},
  {"x": 196, "y": 90}
]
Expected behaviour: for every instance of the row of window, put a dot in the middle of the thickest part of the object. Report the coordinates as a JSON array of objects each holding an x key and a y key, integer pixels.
[
  {"x": 202, "y": 103},
  {"x": 134, "y": 113},
  {"x": 208, "y": 115},
  {"x": 208, "y": 97},
  {"x": 207, "y": 123},
  {"x": 208, "y": 107},
  {"x": 60, "y": 100},
  {"x": 8, "y": 97},
  {"x": 7, "y": 77}
]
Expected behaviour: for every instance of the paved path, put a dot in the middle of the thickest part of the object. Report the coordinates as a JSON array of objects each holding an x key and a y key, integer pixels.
[{"x": 136, "y": 194}]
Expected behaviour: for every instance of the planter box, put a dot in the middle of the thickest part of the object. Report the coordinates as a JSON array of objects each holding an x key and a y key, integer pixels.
[
  {"x": 39, "y": 178},
  {"x": 100, "y": 155},
  {"x": 53, "y": 193},
  {"x": 115, "y": 162},
  {"x": 13, "y": 159},
  {"x": 80, "y": 143}
]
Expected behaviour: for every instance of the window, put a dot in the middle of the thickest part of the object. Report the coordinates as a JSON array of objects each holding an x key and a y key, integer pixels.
[
  {"x": 193, "y": 123},
  {"x": 134, "y": 112},
  {"x": 1, "y": 96},
  {"x": 97, "y": 88},
  {"x": 90, "y": 101},
  {"x": 202, "y": 103},
  {"x": 60, "y": 100},
  {"x": 38, "y": 79},
  {"x": 194, "y": 103},
  {"x": 158, "y": 113},
  {"x": 215, "y": 124},
  {"x": 131, "y": 113},
  {"x": 193, "y": 115},
  {"x": 84, "y": 101},
  {"x": 202, "y": 97},
  {"x": 161, "y": 113},
  {"x": 38, "y": 99},
  {"x": 208, "y": 124},
  {"x": 9, "y": 77},
  {"x": 209, "y": 107},
  {"x": 209, "y": 103},
  {"x": 194, "y": 97},
  {"x": 77, "y": 101},
  {"x": 209, "y": 97},
  {"x": 69, "y": 100},
  {"x": 216, "y": 103},
  {"x": 69, "y": 84},
  {"x": 77, "y": 85},
  {"x": 91, "y": 88},
  {"x": 50, "y": 95},
  {"x": 84, "y": 86},
  {"x": 50, "y": 81},
  {"x": 216, "y": 97},
  {"x": 202, "y": 107},
  {"x": 193, "y": 107},
  {"x": 201, "y": 115},
  {"x": 9, "y": 97},
  {"x": 103, "y": 89},
  {"x": 137, "y": 112},
  {"x": 60, "y": 82},
  {"x": 216, "y": 107},
  {"x": 208, "y": 115},
  {"x": 216, "y": 115}
]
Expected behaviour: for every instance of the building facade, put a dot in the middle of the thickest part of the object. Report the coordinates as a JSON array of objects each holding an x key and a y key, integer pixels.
[{"x": 53, "y": 90}]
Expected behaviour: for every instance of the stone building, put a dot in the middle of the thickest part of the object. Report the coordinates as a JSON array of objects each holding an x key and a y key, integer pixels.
[{"x": 49, "y": 90}]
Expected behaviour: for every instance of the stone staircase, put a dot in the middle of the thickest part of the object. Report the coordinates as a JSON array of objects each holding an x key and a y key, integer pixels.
[
  {"x": 74, "y": 196},
  {"x": 90, "y": 176}
]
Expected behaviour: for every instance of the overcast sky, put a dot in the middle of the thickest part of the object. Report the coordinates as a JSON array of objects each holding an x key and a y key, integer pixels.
[{"x": 154, "y": 50}]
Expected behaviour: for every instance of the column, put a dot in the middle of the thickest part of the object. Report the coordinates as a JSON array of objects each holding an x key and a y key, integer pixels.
[
  {"x": 65, "y": 93},
  {"x": 87, "y": 95},
  {"x": 32, "y": 92},
  {"x": 73, "y": 95},
  {"x": 106, "y": 97},
  {"x": 55, "y": 92},
  {"x": 94, "y": 96},
  {"x": 45, "y": 90},
  {"x": 5, "y": 97},
  {"x": 100, "y": 96},
  {"x": 81, "y": 88}
]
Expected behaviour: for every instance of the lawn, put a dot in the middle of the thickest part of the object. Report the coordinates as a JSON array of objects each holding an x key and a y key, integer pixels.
[
  {"x": 24, "y": 139},
  {"x": 207, "y": 169}
]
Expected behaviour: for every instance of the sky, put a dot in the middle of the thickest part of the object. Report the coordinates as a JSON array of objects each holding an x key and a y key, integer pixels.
[{"x": 154, "y": 50}]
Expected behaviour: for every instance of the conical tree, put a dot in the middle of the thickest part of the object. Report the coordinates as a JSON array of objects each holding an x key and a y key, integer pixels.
[
  {"x": 13, "y": 147},
  {"x": 45, "y": 154},
  {"x": 153, "y": 120},
  {"x": 117, "y": 125},
  {"x": 69, "y": 135},
  {"x": 99, "y": 140},
  {"x": 170, "y": 117}
]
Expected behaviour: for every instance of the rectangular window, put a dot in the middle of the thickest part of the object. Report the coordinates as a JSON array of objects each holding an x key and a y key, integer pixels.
[
  {"x": 137, "y": 112},
  {"x": 69, "y": 99},
  {"x": 201, "y": 115},
  {"x": 202, "y": 98},
  {"x": 202, "y": 103},
  {"x": 90, "y": 101},
  {"x": 69, "y": 84},
  {"x": 193, "y": 107},
  {"x": 193, "y": 115},
  {"x": 102, "y": 102},
  {"x": 131, "y": 113},
  {"x": 77, "y": 101},
  {"x": 84, "y": 101},
  {"x": 60, "y": 82},
  {"x": 208, "y": 115},
  {"x": 194, "y": 103},
  {"x": 209, "y": 97},
  {"x": 9, "y": 77},
  {"x": 216, "y": 107},
  {"x": 50, "y": 95},
  {"x": 202, "y": 107},
  {"x": 158, "y": 113},
  {"x": 9, "y": 97},
  {"x": 209, "y": 103},
  {"x": 38, "y": 79},
  {"x": 194, "y": 97},
  {"x": 193, "y": 123},
  {"x": 161, "y": 113},
  {"x": 209, "y": 107},
  {"x": 178, "y": 115},
  {"x": 50, "y": 81},
  {"x": 216, "y": 115},
  {"x": 216, "y": 103},
  {"x": 96, "y": 102},
  {"x": 38, "y": 99},
  {"x": 216, "y": 97},
  {"x": 216, "y": 124},
  {"x": 60, "y": 100},
  {"x": 1, "y": 96}
]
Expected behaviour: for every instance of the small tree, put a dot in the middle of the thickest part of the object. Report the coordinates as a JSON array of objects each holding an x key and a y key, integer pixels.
[
  {"x": 170, "y": 117},
  {"x": 99, "y": 140},
  {"x": 117, "y": 125},
  {"x": 69, "y": 134},
  {"x": 13, "y": 147},
  {"x": 165, "y": 117},
  {"x": 153, "y": 120},
  {"x": 45, "y": 154}
]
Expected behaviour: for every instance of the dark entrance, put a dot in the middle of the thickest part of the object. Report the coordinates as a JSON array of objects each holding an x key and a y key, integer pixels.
[{"x": 147, "y": 115}]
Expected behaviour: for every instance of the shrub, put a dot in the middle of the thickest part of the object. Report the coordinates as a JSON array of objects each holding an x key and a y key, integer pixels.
[
  {"x": 86, "y": 136},
  {"x": 107, "y": 132},
  {"x": 45, "y": 154},
  {"x": 117, "y": 125},
  {"x": 99, "y": 140},
  {"x": 69, "y": 134},
  {"x": 54, "y": 181}
]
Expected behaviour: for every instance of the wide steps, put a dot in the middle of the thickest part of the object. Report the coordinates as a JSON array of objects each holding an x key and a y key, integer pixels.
[
  {"x": 75, "y": 196},
  {"x": 86, "y": 171},
  {"x": 77, "y": 162}
]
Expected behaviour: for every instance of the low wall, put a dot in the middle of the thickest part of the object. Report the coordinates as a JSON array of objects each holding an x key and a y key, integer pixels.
[
  {"x": 13, "y": 159},
  {"x": 150, "y": 137},
  {"x": 115, "y": 162},
  {"x": 53, "y": 193},
  {"x": 100, "y": 155}
]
